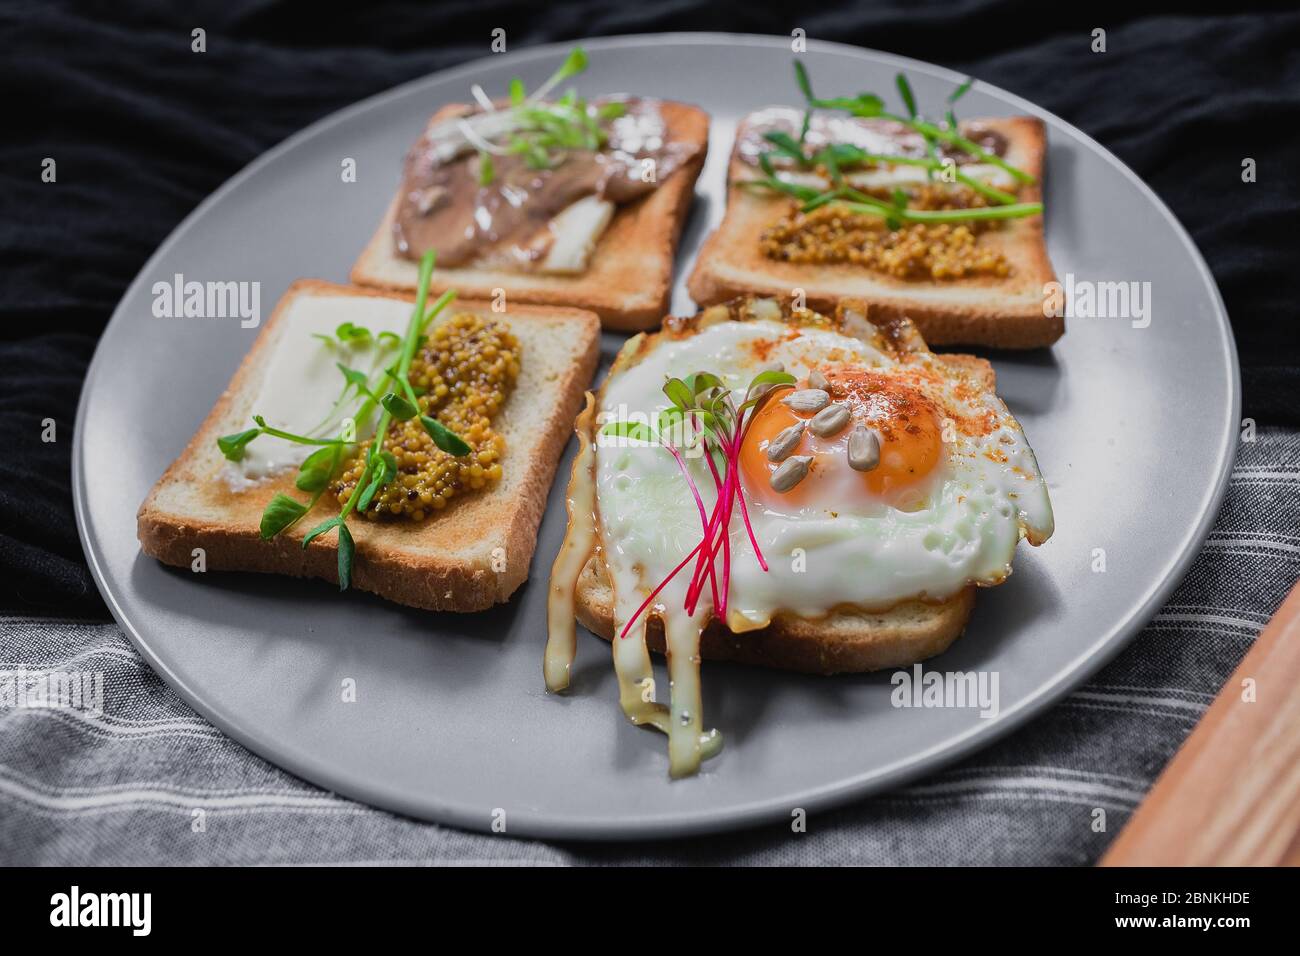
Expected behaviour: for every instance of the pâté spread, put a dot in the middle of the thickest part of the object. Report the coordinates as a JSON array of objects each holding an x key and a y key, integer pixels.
[{"x": 510, "y": 188}]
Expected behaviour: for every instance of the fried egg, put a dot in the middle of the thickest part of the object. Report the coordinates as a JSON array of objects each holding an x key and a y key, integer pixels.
[
  {"x": 953, "y": 489},
  {"x": 956, "y": 487}
]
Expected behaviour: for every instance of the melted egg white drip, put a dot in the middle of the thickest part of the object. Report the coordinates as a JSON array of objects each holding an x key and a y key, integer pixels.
[
  {"x": 579, "y": 545},
  {"x": 683, "y": 718},
  {"x": 688, "y": 743},
  {"x": 862, "y": 552}
]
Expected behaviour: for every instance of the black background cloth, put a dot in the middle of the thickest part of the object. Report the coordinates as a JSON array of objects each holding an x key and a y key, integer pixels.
[{"x": 143, "y": 129}]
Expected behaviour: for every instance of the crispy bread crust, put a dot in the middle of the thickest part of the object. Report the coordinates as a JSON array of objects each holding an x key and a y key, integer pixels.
[
  {"x": 629, "y": 280},
  {"x": 448, "y": 563},
  {"x": 1004, "y": 313},
  {"x": 846, "y": 640}
]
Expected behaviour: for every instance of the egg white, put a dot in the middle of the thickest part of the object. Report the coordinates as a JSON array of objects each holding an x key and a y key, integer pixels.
[{"x": 986, "y": 493}]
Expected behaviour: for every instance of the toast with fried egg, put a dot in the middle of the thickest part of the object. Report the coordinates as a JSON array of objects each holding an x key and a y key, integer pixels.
[
  {"x": 857, "y": 565},
  {"x": 471, "y": 555},
  {"x": 845, "y": 640}
]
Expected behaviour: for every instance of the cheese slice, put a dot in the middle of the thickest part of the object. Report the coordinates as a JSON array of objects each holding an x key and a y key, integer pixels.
[{"x": 574, "y": 234}]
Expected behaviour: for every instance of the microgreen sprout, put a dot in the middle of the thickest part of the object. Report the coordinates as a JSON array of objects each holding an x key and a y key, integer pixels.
[
  {"x": 953, "y": 97},
  {"x": 541, "y": 129},
  {"x": 909, "y": 102},
  {"x": 349, "y": 333},
  {"x": 835, "y": 157},
  {"x": 703, "y": 406},
  {"x": 868, "y": 105},
  {"x": 319, "y": 468}
]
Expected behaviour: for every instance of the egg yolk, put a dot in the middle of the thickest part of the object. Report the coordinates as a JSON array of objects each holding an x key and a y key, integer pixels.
[{"x": 906, "y": 422}]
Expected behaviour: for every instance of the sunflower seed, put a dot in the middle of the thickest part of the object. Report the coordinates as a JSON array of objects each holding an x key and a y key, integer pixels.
[
  {"x": 830, "y": 421},
  {"x": 792, "y": 471},
  {"x": 864, "y": 449},
  {"x": 780, "y": 447},
  {"x": 807, "y": 400},
  {"x": 817, "y": 380}
]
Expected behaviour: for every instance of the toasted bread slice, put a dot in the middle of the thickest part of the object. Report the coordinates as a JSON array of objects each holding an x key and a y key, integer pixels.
[
  {"x": 847, "y": 640},
  {"x": 450, "y": 561},
  {"x": 844, "y": 642},
  {"x": 986, "y": 310},
  {"x": 628, "y": 281}
]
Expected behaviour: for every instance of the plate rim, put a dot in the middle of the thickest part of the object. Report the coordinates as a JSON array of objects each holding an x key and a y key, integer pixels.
[{"x": 549, "y": 825}]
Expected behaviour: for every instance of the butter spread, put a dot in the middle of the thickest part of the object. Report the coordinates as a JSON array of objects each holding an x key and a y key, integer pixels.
[{"x": 302, "y": 380}]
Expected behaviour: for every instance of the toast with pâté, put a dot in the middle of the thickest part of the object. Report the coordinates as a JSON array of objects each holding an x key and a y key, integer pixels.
[{"x": 628, "y": 279}]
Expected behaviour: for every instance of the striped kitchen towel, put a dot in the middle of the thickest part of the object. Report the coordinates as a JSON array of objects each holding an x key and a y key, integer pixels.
[{"x": 143, "y": 779}]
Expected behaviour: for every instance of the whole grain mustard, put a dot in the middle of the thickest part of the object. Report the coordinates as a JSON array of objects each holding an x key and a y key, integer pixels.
[
  {"x": 463, "y": 373},
  {"x": 833, "y": 234}
]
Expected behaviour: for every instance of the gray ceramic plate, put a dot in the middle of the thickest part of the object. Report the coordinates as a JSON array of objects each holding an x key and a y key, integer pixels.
[{"x": 1132, "y": 426}]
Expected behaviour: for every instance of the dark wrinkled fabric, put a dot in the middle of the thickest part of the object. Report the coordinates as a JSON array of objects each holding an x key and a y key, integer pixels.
[{"x": 143, "y": 129}]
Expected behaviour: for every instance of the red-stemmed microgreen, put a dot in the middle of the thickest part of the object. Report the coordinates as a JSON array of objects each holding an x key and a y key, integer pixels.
[{"x": 707, "y": 411}]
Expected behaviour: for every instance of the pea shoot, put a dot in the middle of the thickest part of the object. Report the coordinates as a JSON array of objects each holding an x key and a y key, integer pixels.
[
  {"x": 539, "y": 131},
  {"x": 835, "y": 157},
  {"x": 284, "y": 511}
]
